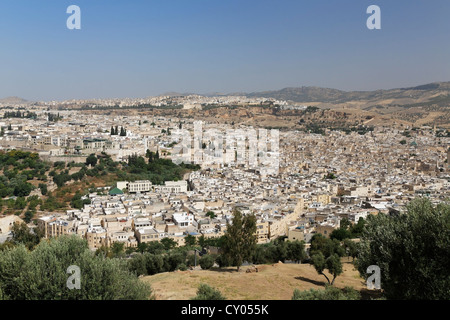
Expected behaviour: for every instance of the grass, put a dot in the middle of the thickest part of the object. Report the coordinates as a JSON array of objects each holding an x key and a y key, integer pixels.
[{"x": 271, "y": 282}]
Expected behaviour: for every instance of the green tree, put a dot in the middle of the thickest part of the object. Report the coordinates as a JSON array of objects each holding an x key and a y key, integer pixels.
[
  {"x": 28, "y": 216},
  {"x": 210, "y": 214},
  {"x": 118, "y": 249},
  {"x": 21, "y": 234},
  {"x": 239, "y": 239},
  {"x": 351, "y": 248},
  {"x": 358, "y": 228},
  {"x": 345, "y": 224},
  {"x": 412, "y": 251},
  {"x": 43, "y": 188},
  {"x": 205, "y": 292},
  {"x": 296, "y": 251},
  {"x": 340, "y": 234},
  {"x": 190, "y": 240},
  {"x": 168, "y": 243},
  {"x": 326, "y": 246},
  {"x": 332, "y": 264},
  {"x": 206, "y": 261},
  {"x": 22, "y": 189},
  {"x": 41, "y": 274},
  {"x": 91, "y": 160}
]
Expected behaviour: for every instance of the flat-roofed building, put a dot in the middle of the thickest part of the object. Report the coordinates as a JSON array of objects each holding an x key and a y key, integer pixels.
[{"x": 147, "y": 234}]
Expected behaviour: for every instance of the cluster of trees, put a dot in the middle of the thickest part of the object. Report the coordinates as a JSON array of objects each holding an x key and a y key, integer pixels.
[
  {"x": 78, "y": 202},
  {"x": 412, "y": 251},
  {"x": 115, "y": 131},
  {"x": 53, "y": 117},
  {"x": 163, "y": 256},
  {"x": 19, "y": 167},
  {"x": 153, "y": 168},
  {"x": 347, "y": 230},
  {"x": 100, "y": 165},
  {"x": 237, "y": 246},
  {"x": 41, "y": 273},
  {"x": 22, "y": 235},
  {"x": 18, "y": 114}
]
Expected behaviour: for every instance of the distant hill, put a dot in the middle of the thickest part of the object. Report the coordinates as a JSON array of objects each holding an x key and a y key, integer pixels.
[
  {"x": 13, "y": 100},
  {"x": 436, "y": 93}
]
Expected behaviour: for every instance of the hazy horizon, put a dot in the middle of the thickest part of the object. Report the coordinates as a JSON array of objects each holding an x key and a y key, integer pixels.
[
  {"x": 209, "y": 93},
  {"x": 138, "y": 49}
]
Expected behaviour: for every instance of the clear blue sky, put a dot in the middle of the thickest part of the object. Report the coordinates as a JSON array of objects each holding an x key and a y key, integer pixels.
[{"x": 143, "y": 48}]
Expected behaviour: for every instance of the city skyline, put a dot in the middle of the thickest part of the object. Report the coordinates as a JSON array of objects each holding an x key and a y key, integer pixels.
[{"x": 142, "y": 49}]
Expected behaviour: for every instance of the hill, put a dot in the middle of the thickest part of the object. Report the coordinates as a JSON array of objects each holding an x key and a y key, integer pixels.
[
  {"x": 13, "y": 100},
  {"x": 438, "y": 92},
  {"x": 271, "y": 282}
]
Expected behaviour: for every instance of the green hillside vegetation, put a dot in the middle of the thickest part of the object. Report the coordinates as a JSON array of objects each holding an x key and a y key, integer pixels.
[{"x": 42, "y": 273}]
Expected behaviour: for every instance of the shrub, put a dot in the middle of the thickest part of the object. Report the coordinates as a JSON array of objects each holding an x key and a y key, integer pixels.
[{"x": 205, "y": 292}]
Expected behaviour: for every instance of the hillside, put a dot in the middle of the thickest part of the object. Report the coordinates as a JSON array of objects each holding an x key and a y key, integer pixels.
[
  {"x": 438, "y": 92},
  {"x": 271, "y": 282},
  {"x": 13, "y": 100}
]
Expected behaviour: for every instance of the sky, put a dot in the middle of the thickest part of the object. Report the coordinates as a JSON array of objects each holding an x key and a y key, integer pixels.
[{"x": 144, "y": 48}]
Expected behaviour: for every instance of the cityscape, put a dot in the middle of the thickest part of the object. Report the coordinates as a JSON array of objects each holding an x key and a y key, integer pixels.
[{"x": 256, "y": 195}]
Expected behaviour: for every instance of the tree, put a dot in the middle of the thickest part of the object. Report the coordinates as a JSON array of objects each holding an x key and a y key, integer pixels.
[
  {"x": 190, "y": 240},
  {"x": 351, "y": 248},
  {"x": 168, "y": 243},
  {"x": 43, "y": 188},
  {"x": 412, "y": 251},
  {"x": 296, "y": 251},
  {"x": 210, "y": 214},
  {"x": 206, "y": 261},
  {"x": 205, "y": 292},
  {"x": 332, "y": 264},
  {"x": 28, "y": 216},
  {"x": 91, "y": 160},
  {"x": 21, "y": 234},
  {"x": 326, "y": 246},
  {"x": 22, "y": 189},
  {"x": 118, "y": 249},
  {"x": 358, "y": 228},
  {"x": 41, "y": 274},
  {"x": 345, "y": 223},
  {"x": 239, "y": 239},
  {"x": 340, "y": 234}
]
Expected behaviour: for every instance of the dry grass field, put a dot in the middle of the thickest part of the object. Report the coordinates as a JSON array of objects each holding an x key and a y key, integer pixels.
[{"x": 271, "y": 282}]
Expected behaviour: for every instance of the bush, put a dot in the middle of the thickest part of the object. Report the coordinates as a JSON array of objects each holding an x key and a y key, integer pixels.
[
  {"x": 330, "y": 293},
  {"x": 206, "y": 262},
  {"x": 205, "y": 292},
  {"x": 182, "y": 267}
]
